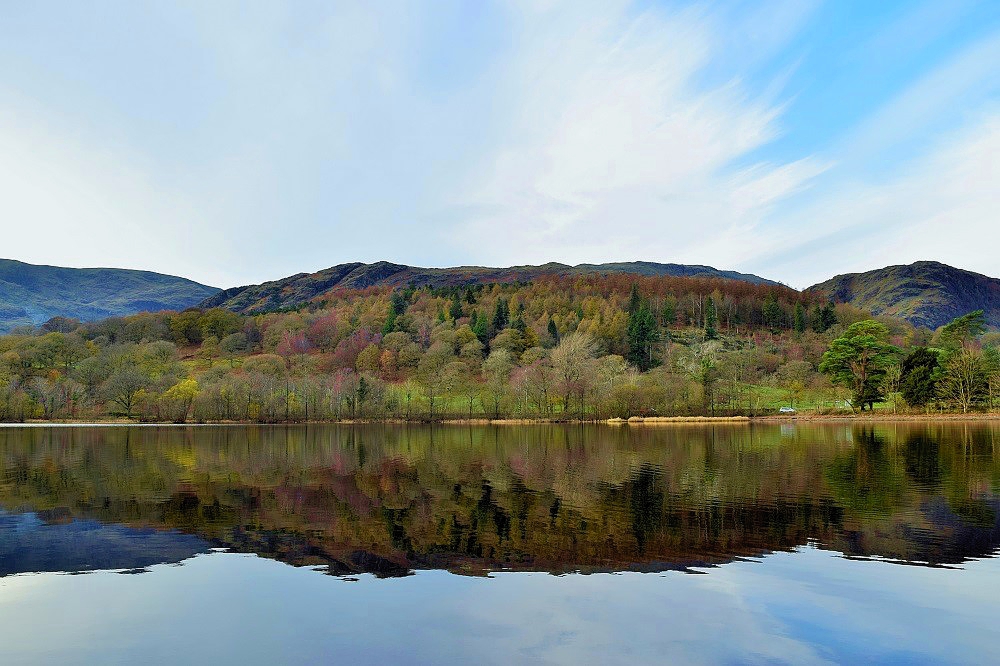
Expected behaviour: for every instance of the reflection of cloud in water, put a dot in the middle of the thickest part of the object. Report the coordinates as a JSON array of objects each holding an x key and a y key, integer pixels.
[
  {"x": 29, "y": 543},
  {"x": 805, "y": 607}
]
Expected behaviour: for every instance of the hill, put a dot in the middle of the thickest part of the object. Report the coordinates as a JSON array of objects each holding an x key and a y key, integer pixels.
[
  {"x": 301, "y": 288},
  {"x": 926, "y": 293},
  {"x": 31, "y": 294}
]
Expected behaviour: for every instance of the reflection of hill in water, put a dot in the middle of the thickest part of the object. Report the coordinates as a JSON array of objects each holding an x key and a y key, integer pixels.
[
  {"x": 30, "y": 544},
  {"x": 387, "y": 500}
]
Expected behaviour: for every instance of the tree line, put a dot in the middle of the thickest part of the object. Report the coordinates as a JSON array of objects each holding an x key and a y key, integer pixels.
[{"x": 590, "y": 347}]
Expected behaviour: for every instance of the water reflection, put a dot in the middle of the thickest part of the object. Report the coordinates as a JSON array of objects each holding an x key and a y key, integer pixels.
[{"x": 390, "y": 500}]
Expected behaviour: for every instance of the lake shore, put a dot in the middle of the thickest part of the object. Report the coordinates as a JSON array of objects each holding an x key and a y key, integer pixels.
[{"x": 634, "y": 421}]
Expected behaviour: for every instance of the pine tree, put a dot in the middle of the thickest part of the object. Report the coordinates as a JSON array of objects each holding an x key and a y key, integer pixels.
[
  {"x": 456, "y": 308},
  {"x": 800, "y": 318},
  {"x": 711, "y": 320},
  {"x": 390, "y": 323},
  {"x": 634, "y": 300},
  {"x": 501, "y": 316},
  {"x": 773, "y": 315},
  {"x": 641, "y": 335},
  {"x": 480, "y": 327},
  {"x": 823, "y": 318},
  {"x": 553, "y": 331}
]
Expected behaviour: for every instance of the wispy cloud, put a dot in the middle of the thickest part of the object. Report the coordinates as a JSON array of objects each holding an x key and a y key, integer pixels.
[
  {"x": 615, "y": 149},
  {"x": 237, "y": 146}
]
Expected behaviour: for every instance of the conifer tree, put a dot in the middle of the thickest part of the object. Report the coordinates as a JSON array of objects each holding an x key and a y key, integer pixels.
[{"x": 711, "y": 320}]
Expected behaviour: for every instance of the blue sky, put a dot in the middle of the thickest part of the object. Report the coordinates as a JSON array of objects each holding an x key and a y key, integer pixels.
[{"x": 234, "y": 143}]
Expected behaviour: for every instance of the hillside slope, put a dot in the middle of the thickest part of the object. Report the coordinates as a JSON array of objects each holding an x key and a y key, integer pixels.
[
  {"x": 301, "y": 288},
  {"x": 31, "y": 294},
  {"x": 926, "y": 293}
]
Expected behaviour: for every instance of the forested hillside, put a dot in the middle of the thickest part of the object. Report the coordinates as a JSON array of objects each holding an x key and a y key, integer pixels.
[
  {"x": 303, "y": 288},
  {"x": 30, "y": 294},
  {"x": 926, "y": 293},
  {"x": 585, "y": 347}
]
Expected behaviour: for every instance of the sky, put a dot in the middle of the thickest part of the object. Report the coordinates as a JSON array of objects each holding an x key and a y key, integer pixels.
[{"x": 234, "y": 143}]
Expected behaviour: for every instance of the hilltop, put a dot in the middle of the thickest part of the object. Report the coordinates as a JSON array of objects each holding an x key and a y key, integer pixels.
[{"x": 926, "y": 293}]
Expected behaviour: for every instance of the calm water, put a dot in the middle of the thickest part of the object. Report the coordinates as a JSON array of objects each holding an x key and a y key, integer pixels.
[{"x": 576, "y": 544}]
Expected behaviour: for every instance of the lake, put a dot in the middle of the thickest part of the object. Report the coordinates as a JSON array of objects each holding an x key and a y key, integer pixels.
[{"x": 836, "y": 543}]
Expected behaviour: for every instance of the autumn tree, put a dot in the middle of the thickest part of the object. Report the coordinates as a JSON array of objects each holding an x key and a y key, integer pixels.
[
  {"x": 179, "y": 398},
  {"x": 570, "y": 361},
  {"x": 430, "y": 372},
  {"x": 964, "y": 379},
  {"x": 496, "y": 372},
  {"x": 125, "y": 386}
]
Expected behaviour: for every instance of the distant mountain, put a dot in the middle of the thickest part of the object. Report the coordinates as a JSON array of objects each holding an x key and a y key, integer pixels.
[
  {"x": 31, "y": 294},
  {"x": 301, "y": 288},
  {"x": 926, "y": 293}
]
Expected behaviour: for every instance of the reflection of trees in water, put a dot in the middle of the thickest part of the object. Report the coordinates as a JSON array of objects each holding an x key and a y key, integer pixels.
[
  {"x": 868, "y": 478},
  {"x": 387, "y": 499}
]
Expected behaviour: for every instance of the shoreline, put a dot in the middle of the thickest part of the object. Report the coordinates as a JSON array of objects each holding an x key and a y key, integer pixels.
[{"x": 641, "y": 422}]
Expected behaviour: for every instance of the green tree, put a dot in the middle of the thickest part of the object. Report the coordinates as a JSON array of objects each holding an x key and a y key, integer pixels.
[
  {"x": 480, "y": 326},
  {"x": 800, "y": 319},
  {"x": 711, "y": 320},
  {"x": 859, "y": 359},
  {"x": 455, "y": 311},
  {"x": 823, "y": 318},
  {"x": 668, "y": 315},
  {"x": 641, "y": 336},
  {"x": 553, "y": 331},
  {"x": 390, "y": 322},
  {"x": 962, "y": 331},
  {"x": 773, "y": 314},
  {"x": 501, "y": 315},
  {"x": 918, "y": 377},
  {"x": 634, "y": 299}
]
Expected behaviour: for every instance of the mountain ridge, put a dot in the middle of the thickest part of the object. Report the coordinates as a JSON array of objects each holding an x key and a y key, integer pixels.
[
  {"x": 301, "y": 288},
  {"x": 31, "y": 294},
  {"x": 925, "y": 293}
]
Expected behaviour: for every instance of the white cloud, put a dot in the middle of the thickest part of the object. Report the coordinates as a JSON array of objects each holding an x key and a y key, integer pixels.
[
  {"x": 614, "y": 150},
  {"x": 243, "y": 146},
  {"x": 63, "y": 197}
]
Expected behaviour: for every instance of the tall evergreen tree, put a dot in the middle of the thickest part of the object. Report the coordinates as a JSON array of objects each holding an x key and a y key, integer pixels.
[
  {"x": 918, "y": 378},
  {"x": 634, "y": 300},
  {"x": 501, "y": 316},
  {"x": 772, "y": 313},
  {"x": 823, "y": 318},
  {"x": 800, "y": 318},
  {"x": 641, "y": 335},
  {"x": 711, "y": 320},
  {"x": 456, "y": 308},
  {"x": 480, "y": 326}
]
